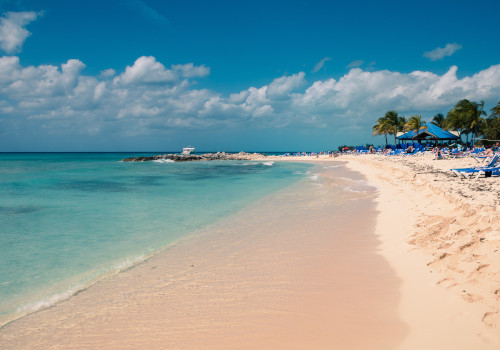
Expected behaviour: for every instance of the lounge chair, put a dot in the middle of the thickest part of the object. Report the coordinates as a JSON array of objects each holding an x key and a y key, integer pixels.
[
  {"x": 455, "y": 153},
  {"x": 481, "y": 159},
  {"x": 488, "y": 170}
]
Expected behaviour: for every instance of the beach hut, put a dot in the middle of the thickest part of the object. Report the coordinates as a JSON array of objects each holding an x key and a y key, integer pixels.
[{"x": 429, "y": 132}]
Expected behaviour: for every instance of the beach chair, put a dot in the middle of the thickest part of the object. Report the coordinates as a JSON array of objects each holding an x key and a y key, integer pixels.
[
  {"x": 455, "y": 153},
  {"x": 490, "y": 169}
]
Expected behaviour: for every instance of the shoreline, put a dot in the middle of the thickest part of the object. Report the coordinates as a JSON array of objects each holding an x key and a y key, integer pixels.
[
  {"x": 283, "y": 279},
  {"x": 437, "y": 235},
  {"x": 445, "y": 249},
  {"x": 46, "y": 296}
]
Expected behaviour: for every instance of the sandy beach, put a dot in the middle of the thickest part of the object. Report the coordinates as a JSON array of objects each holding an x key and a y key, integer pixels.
[
  {"x": 441, "y": 235},
  {"x": 411, "y": 263},
  {"x": 448, "y": 255}
]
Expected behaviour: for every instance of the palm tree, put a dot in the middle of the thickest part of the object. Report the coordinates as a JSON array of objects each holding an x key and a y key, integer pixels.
[
  {"x": 415, "y": 123},
  {"x": 401, "y": 123},
  {"x": 438, "y": 120},
  {"x": 495, "y": 111},
  {"x": 454, "y": 121},
  {"x": 466, "y": 116},
  {"x": 476, "y": 121},
  {"x": 393, "y": 122},
  {"x": 381, "y": 128},
  {"x": 492, "y": 127}
]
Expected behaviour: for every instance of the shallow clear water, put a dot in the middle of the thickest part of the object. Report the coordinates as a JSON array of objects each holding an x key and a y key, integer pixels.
[{"x": 67, "y": 219}]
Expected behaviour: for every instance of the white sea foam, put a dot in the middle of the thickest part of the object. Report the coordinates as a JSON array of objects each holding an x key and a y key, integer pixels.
[
  {"x": 268, "y": 163},
  {"x": 350, "y": 189},
  {"x": 360, "y": 189},
  {"x": 163, "y": 161},
  {"x": 55, "y": 298},
  {"x": 49, "y": 301},
  {"x": 348, "y": 179}
]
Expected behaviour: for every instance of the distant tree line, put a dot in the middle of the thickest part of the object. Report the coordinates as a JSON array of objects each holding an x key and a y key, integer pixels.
[{"x": 467, "y": 117}]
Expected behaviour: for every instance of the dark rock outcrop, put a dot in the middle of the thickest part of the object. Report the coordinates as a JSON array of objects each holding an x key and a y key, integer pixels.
[{"x": 197, "y": 157}]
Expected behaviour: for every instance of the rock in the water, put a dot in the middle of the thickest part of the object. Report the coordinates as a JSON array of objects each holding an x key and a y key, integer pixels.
[{"x": 194, "y": 157}]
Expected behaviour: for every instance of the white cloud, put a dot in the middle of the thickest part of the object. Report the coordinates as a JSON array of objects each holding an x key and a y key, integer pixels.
[
  {"x": 320, "y": 64},
  {"x": 441, "y": 52},
  {"x": 21, "y": 83},
  {"x": 281, "y": 87},
  {"x": 99, "y": 91},
  {"x": 147, "y": 70},
  {"x": 138, "y": 111},
  {"x": 362, "y": 93},
  {"x": 189, "y": 70},
  {"x": 12, "y": 31},
  {"x": 108, "y": 73},
  {"x": 148, "y": 97}
]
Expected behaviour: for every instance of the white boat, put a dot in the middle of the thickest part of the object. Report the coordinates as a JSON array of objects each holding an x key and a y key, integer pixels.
[{"x": 187, "y": 150}]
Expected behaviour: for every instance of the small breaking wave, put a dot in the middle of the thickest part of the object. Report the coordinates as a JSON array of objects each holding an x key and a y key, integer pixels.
[
  {"x": 366, "y": 189},
  {"x": 163, "y": 161},
  {"x": 68, "y": 292},
  {"x": 268, "y": 163}
]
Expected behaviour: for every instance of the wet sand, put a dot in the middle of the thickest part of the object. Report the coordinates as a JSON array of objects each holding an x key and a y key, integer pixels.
[{"x": 300, "y": 269}]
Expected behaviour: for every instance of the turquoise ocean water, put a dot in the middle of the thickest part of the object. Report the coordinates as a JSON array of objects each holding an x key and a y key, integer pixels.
[{"x": 67, "y": 219}]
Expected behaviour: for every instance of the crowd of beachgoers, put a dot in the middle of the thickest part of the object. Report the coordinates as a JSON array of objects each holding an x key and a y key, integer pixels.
[
  {"x": 415, "y": 149},
  {"x": 478, "y": 160},
  {"x": 439, "y": 152}
]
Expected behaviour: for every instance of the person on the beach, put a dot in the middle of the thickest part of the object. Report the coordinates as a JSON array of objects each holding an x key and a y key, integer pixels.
[
  {"x": 437, "y": 153},
  {"x": 489, "y": 152}
]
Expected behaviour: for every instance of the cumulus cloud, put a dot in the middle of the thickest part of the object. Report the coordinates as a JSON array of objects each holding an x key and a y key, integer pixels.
[
  {"x": 22, "y": 83},
  {"x": 148, "y": 97},
  {"x": 108, "y": 73},
  {"x": 147, "y": 70},
  {"x": 189, "y": 70},
  {"x": 12, "y": 31},
  {"x": 320, "y": 64},
  {"x": 281, "y": 87},
  {"x": 441, "y": 52}
]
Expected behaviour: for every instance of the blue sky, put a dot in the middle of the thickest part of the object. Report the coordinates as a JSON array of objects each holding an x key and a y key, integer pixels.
[{"x": 297, "y": 75}]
